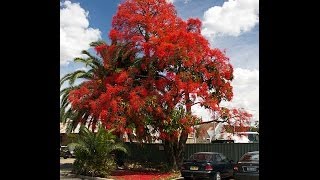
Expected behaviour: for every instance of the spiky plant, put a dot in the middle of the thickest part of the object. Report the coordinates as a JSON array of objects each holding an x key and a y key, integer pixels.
[{"x": 93, "y": 152}]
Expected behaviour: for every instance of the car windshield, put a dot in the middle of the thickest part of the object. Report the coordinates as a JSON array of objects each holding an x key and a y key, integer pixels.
[
  {"x": 250, "y": 157},
  {"x": 201, "y": 157}
]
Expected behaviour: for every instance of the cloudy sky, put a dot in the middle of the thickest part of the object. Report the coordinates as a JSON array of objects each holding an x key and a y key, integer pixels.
[{"x": 232, "y": 25}]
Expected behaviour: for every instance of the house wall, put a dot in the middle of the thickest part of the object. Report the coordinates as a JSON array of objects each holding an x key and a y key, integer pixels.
[{"x": 66, "y": 139}]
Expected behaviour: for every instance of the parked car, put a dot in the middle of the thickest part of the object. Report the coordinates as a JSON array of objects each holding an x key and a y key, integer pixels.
[
  {"x": 211, "y": 165},
  {"x": 247, "y": 168},
  {"x": 65, "y": 152}
]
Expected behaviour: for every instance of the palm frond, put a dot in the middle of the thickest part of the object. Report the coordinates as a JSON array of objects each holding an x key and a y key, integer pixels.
[
  {"x": 66, "y": 90},
  {"x": 71, "y": 77},
  {"x": 97, "y": 43},
  {"x": 86, "y": 76},
  {"x": 71, "y": 125},
  {"x": 65, "y": 95},
  {"x": 75, "y": 76},
  {"x": 94, "y": 60},
  {"x": 64, "y": 101},
  {"x": 119, "y": 147},
  {"x": 87, "y": 62},
  {"x": 66, "y": 114},
  {"x": 74, "y": 117},
  {"x": 65, "y": 78}
]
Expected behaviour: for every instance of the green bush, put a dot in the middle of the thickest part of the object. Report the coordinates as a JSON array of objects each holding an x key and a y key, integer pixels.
[{"x": 93, "y": 152}]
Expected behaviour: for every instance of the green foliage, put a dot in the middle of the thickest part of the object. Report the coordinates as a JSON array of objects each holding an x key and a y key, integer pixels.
[
  {"x": 96, "y": 70},
  {"x": 148, "y": 166},
  {"x": 93, "y": 152}
]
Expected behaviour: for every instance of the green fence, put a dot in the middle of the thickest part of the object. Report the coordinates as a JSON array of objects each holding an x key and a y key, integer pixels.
[
  {"x": 155, "y": 153},
  {"x": 146, "y": 152}
]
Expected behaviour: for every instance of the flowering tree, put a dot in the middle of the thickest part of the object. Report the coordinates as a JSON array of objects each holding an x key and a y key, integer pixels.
[
  {"x": 238, "y": 120},
  {"x": 156, "y": 68}
]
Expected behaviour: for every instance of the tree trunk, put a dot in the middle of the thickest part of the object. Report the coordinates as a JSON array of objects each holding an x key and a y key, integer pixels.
[
  {"x": 181, "y": 148},
  {"x": 169, "y": 153},
  {"x": 175, "y": 149}
]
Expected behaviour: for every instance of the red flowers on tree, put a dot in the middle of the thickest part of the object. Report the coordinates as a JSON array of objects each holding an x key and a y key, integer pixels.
[{"x": 238, "y": 119}]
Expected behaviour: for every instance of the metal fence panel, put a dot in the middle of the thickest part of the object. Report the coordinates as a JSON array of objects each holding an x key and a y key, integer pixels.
[{"x": 155, "y": 153}]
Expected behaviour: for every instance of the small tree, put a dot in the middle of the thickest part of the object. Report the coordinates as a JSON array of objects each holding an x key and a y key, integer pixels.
[{"x": 93, "y": 152}]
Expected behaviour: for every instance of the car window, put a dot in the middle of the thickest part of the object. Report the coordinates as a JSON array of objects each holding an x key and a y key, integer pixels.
[
  {"x": 201, "y": 157},
  {"x": 218, "y": 158},
  {"x": 223, "y": 158},
  {"x": 250, "y": 157}
]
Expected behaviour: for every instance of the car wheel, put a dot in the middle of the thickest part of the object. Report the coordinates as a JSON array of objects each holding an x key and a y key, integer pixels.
[{"x": 217, "y": 176}]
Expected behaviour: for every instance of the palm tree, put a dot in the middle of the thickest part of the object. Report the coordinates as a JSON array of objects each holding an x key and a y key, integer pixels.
[
  {"x": 96, "y": 72},
  {"x": 93, "y": 152}
]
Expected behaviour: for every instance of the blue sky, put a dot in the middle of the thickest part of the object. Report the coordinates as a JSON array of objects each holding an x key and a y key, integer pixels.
[{"x": 232, "y": 25}]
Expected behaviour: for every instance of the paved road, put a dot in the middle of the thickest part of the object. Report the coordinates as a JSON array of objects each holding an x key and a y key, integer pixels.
[
  {"x": 65, "y": 170},
  {"x": 66, "y": 167}
]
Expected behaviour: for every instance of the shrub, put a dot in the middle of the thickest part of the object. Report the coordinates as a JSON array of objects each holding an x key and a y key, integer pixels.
[{"x": 93, "y": 152}]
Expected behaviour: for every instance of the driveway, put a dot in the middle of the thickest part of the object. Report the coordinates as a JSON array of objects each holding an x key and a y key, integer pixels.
[{"x": 66, "y": 167}]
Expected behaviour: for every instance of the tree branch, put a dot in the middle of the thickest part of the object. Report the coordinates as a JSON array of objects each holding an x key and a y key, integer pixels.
[
  {"x": 216, "y": 120},
  {"x": 195, "y": 103},
  {"x": 207, "y": 122}
]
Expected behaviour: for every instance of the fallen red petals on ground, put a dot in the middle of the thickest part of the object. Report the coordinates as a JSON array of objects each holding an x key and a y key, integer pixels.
[{"x": 134, "y": 175}]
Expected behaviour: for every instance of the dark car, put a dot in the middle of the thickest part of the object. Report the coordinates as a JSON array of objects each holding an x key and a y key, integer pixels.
[
  {"x": 207, "y": 165},
  {"x": 247, "y": 168},
  {"x": 65, "y": 152}
]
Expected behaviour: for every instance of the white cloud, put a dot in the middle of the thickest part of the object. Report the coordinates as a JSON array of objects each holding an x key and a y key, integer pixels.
[
  {"x": 184, "y": 1},
  {"x": 201, "y": 112},
  {"x": 75, "y": 33},
  {"x": 232, "y": 18},
  {"x": 82, "y": 69},
  {"x": 245, "y": 91},
  {"x": 170, "y": 1}
]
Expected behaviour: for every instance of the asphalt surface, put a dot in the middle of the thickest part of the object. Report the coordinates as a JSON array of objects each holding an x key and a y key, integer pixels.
[{"x": 65, "y": 168}]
